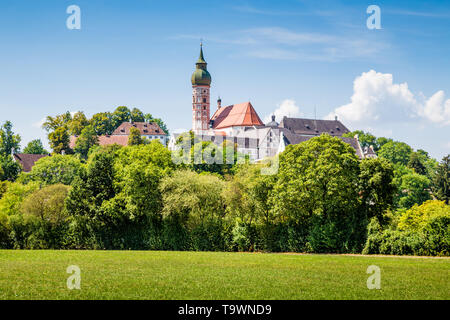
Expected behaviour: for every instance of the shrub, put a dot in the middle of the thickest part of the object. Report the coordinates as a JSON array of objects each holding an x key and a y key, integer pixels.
[
  {"x": 394, "y": 242},
  {"x": 418, "y": 217},
  {"x": 12, "y": 198},
  {"x": 55, "y": 169}
]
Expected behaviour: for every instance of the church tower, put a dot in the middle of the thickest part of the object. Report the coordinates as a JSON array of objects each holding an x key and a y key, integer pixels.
[{"x": 201, "y": 83}]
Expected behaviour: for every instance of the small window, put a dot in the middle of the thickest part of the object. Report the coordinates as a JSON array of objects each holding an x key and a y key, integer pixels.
[{"x": 204, "y": 100}]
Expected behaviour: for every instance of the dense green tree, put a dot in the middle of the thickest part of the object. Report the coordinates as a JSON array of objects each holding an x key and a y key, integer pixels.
[
  {"x": 422, "y": 163},
  {"x": 47, "y": 204},
  {"x": 53, "y": 123},
  {"x": 318, "y": 177},
  {"x": 206, "y": 156},
  {"x": 58, "y": 132},
  {"x": 441, "y": 180},
  {"x": 10, "y": 169},
  {"x": 35, "y": 147},
  {"x": 396, "y": 152},
  {"x": 376, "y": 186},
  {"x": 55, "y": 169},
  {"x": 193, "y": 198},
  {"x": 148, "y": 117},
  {"x": 414, "y": 189},
  {"x": 120, "y": 115},
  {"x": 416, "y": 163},
  {"x": 137, "y": 115},
  {"x": 317, "y": 189},
  {"x": 59, "y": 140},
  {"x": 135, "y": 138},
  {"x": 381, "y": 141},
  {"x": 9, "y": 142},
  {"x": 87, "y": 139},
  {"x": 366, "y": 139},
  {"x": 102, "y": 123},
  {"x": 11, "y": 201},
  {"x": 139, "y": 170},
  {"x": 247, "y": 194},
  {"x": 90, "y": 190},
  {"x": 430, "y": 164},
  {"x": 121, "y": 185},
  {"x": 77, "y": 124},
  {"x": 419, "y": 216}
]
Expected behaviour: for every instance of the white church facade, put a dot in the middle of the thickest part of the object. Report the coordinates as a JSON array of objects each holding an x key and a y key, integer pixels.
[{"x": 241, "y": 124}]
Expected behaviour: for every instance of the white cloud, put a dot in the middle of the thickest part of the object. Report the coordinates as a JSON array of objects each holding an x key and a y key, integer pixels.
[
  {"x": 437, "y": 109},
  {"x": 39, "y": 123},
  {"x": 377, "y": 99},
  {"x": 286, "y": 108},
  {"x": 288, "y": 44}
]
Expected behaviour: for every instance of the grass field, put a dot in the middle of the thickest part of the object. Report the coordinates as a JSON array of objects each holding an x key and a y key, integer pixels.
[{"x": 208, "y": 275}]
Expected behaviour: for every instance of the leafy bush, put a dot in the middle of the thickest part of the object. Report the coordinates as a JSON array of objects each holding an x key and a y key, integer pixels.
[
  {"x": 242, "y": 237},
  {"x": 394, "y": 242},
  {"x": 55, "y": 169},
  {"x": 12, "y": 198},
  {"x": 418, "y": 217},
  {"x": 433, "y": 238}
]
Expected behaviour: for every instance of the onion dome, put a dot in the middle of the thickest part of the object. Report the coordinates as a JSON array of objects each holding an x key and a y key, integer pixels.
[{"x": 201, "y": 76}]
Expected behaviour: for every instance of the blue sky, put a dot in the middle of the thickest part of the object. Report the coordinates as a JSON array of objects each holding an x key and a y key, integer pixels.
[{"x": 289, "y": 57}]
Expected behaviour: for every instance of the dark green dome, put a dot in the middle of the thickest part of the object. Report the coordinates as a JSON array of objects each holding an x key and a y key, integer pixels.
[{"x": 201, "y": 76}]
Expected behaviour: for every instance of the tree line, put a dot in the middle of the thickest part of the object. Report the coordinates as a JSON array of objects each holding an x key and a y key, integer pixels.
[{"x": 322, "y": 199}]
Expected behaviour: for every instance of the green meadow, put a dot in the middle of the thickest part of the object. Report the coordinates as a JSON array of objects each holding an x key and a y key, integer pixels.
[{"x": 215, "y": 275}]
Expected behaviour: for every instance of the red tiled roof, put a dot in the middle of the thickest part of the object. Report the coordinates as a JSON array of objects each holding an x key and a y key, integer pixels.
[
  {"x": 242, "y": 114},
  {"x": 118, "y": 139},
  {"x": 27, "y": 160},
  {"x": 144, "y": 127},
  {"x": 120, "y": 135}
]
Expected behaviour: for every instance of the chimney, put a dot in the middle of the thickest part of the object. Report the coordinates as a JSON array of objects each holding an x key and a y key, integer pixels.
[
  {"x": 219, "y": 103},
  {"x": 335, "y": 118}
]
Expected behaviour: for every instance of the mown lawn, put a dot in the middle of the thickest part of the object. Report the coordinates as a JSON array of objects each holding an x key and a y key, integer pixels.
[{"x": 210, "y": 275}]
